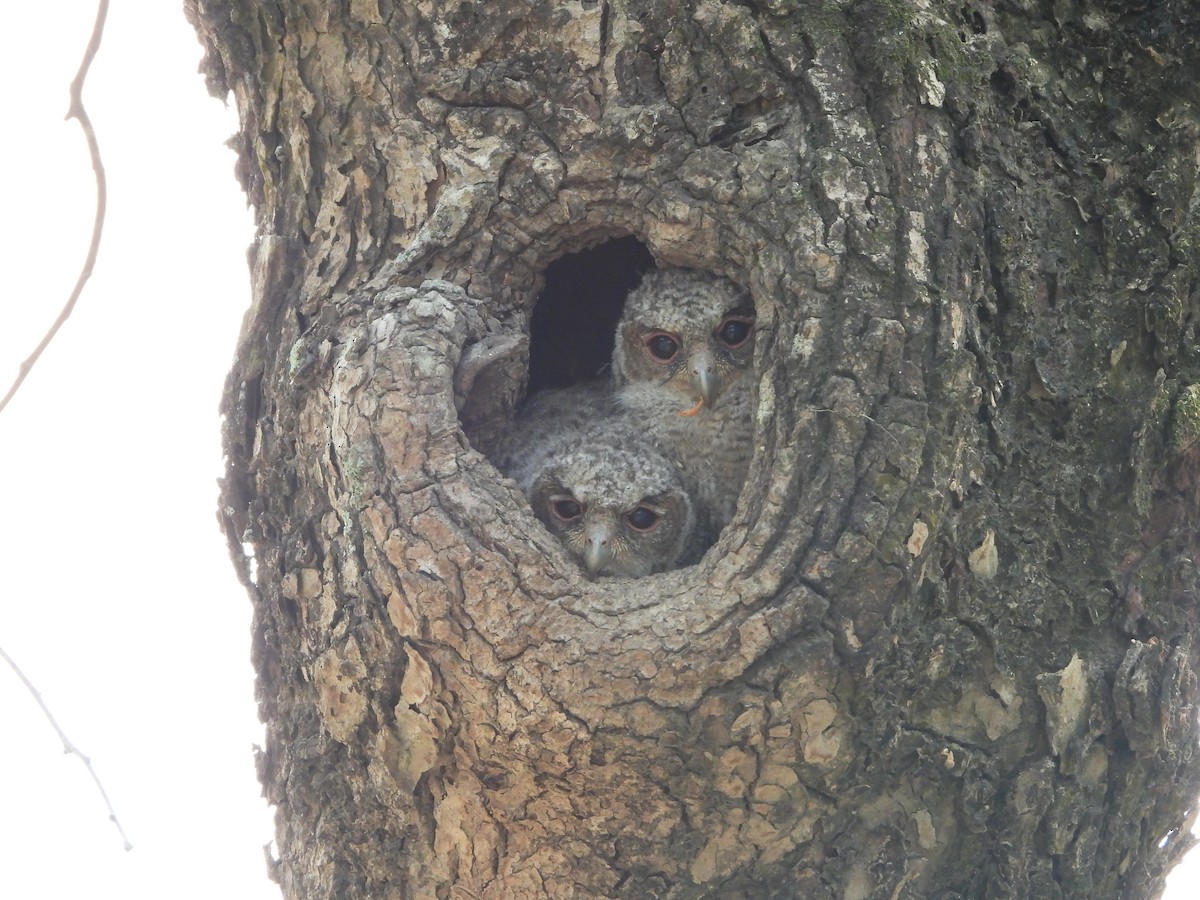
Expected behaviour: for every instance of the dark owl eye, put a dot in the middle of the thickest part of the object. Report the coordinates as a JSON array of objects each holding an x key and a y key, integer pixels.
[
  {"x": 735, "y": 331},
  {"x": 568, "y": 509},
  {"x": 642, "y": 519},
  {"x": 662, "y": 347}
]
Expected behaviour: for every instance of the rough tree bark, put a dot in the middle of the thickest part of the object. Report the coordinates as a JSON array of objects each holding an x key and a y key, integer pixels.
[{"x": 945, "y": 648}]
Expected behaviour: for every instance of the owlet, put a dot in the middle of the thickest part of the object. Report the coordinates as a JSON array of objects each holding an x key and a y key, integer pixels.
[
  {"x": 617, "y": 504},
  {"x": 684, "y": 348}
]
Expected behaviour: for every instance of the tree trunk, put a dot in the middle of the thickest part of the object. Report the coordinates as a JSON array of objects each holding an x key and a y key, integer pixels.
[{"x": 945, "y": 647}]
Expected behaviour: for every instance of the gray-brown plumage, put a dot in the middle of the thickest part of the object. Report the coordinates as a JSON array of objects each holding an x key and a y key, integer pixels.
[
  {"x": 617, "y": 503},
  {"x": 684, "y": 348}
]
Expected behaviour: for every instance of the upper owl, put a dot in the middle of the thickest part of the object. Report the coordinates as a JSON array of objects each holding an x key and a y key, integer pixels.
[
  {"x": 684, "y": 346},
  {"x": 685, "y": 335}
]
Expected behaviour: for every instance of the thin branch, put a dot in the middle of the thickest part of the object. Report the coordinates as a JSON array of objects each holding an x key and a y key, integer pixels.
[
  {"x": 77, "y": 111},
  {"x": 68, "y": 746}
]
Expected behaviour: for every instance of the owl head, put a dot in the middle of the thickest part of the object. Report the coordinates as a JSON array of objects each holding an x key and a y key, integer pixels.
[
  {"x": 615, "y": 502},
  {"x": 685, "y": 335}
]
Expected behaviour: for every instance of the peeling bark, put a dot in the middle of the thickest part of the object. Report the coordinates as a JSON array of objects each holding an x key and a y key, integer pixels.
[{"x": 945, "y": 647}]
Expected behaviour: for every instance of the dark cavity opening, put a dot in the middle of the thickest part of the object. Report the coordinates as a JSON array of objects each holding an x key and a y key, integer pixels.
[{"x": 574, "y": 322}]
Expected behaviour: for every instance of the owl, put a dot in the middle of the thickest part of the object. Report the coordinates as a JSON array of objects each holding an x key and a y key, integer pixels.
[
  {"x": 614, "y": 501},
  {"x": 681, "y": 371}
]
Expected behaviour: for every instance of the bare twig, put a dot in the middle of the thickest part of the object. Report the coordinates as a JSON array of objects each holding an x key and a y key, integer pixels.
[
  {"x": 68, "y": 746},
  {"x": 77, "y": 111}
]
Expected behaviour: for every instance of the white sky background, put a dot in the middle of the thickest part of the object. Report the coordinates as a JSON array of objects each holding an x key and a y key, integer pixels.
[{"x": 117, "y": 596}]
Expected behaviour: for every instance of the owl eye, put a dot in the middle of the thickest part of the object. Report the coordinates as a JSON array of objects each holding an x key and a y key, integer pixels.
[
  {"x": 642, "y": 519},
  {"x": 662, "y": 347},
  {"x": 735, "y": 331},
  {"x": 567, "y": 509}
]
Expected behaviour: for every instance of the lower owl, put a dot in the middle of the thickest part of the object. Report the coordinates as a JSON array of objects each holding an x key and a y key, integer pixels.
[{"x": 613, "y": 500}]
